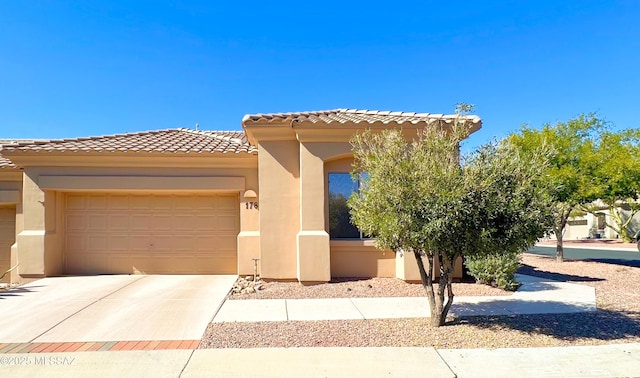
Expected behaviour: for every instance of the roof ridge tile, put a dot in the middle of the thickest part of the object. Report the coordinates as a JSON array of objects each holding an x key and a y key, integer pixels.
[{"x": 345, "y": 115}]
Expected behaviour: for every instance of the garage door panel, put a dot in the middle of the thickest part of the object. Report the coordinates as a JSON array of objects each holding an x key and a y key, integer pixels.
[
  {"x": 188, "y": 244},
  {"x": 96, "y": 203},
  {"x": 143, "y": 264},
  {"x": 118, "y": 263},
  {"x": 140, "y": 202},
  {"x": 96, "y": 263},
  {"x": 226, "y": 265},
  {"x": 225, "y": 243},
  {"x": 96, "y": 243},
  {"x": 75, "y": 242},
  {"x": 181, "y": 223},
  {"x": 75, "y": 202},
  {"x": 118, "y": 243},
  {"x": 227, "y": 203},
  {"x": 96, "y": 221},
  {"x": 164, "y": 234},
  {"x": 116, "y": 202},
  {"x": 141, "y": 222},
  {"x": 227, "y": 223},
  {"x": 75, "y": 222},
  {"x": 75, "y": 262},
  {"x": 186, "y": 264},
  {"x": 203, "y": 222},
  {"x": 139, "y": 243},
  {"x": 118, "y": 222}
]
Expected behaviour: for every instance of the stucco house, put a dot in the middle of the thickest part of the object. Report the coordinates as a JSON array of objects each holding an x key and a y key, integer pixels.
[
  {"x": 184, "y": 201},
  {"x": 596, "y": 226}
]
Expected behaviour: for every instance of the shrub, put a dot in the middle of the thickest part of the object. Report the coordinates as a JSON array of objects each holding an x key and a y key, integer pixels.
[{"x": 497, "y": 269}]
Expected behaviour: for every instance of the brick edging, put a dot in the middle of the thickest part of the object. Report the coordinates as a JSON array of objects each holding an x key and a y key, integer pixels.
[{"x": 97, "y": 346}]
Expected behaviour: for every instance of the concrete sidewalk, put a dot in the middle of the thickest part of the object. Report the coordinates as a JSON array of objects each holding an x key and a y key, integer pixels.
[
  {"x": 535, "y": 296},
  {"x": 583, "y": 361}
]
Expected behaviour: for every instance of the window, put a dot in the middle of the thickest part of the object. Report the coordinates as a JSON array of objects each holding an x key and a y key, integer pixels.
[{"x": 341, "y": 185}]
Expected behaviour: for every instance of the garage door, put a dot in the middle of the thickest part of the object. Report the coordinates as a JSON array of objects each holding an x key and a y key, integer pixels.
[
  {"x": 152, "y": 234},
  {"x": 7, "y": 237}
]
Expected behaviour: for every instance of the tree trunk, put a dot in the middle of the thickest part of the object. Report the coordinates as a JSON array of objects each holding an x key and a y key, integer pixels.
[
  {"x": 446, "y": 275},
  {"x": 427, "y": 282},
  {"x": 437, "y": 318},
  {"x": 559, "y": 249},
  {"x": 560, "y": 224},
  {"x": 439, "y": 314}
]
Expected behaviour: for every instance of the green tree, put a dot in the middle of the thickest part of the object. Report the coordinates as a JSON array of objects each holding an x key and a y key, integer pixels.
[
  {"x": 571, "y": 174},
  {"x": 616, "y": 167},
  {"x": 418, "y": 199}
]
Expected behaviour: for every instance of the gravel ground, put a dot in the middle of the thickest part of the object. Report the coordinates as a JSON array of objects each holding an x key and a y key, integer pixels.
[
  {"x": 616, "y": 321},
  {"x": 358, "y": 288}
]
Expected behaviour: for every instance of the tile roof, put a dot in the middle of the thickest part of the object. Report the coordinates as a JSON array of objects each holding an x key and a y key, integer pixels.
[
  {"x": 340, "y": 116},
  {"x": 177, "y": 141},
  {"x": 6, "y": 163}
]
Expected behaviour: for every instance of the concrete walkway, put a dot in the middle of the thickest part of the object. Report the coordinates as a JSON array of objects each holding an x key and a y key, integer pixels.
[
  {"x": 621, "y": 360},
  {"x": 535, "y": 296}
]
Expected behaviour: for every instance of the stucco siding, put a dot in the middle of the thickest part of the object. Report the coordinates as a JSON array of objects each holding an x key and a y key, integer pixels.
[
  {"x": 7, "y": 237},
  {"x": 279, "y": 163}
]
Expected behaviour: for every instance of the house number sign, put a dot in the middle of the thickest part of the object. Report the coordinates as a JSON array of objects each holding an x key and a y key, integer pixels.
[{"x": 251, "y": 205}]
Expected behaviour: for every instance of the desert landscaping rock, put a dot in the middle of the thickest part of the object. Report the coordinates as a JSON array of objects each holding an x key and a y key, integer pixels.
[
  {"x": 351, "y": 288},
  {"x": 616, "y": 321}
]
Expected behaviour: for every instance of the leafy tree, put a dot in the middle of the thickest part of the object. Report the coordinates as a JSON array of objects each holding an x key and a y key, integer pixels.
[
  {"x": 616, "y": 170},
  {"x": 571, "y": 174},
  {"x": 417, "y": 198}
]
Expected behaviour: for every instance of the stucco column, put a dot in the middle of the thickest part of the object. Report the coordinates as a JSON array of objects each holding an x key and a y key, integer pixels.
[
  {"x": 249, "y": 236},
  {"x": 312, "y": 239},
  {"x": 31, "y": 237},
  {"x": 279, "y": 206}
]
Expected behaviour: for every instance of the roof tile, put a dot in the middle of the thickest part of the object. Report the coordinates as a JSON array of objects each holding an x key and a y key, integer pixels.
[
  {"x": 342, "y": 116},
  {"x": 6, "y": 163},
  {"x": 164, "y": 141}
]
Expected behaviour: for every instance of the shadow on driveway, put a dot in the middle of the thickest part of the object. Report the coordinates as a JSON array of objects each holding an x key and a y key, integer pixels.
[{"x": 17, "y": 291}]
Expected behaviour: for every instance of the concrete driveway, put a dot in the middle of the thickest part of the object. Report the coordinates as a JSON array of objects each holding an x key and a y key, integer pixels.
[{"x": 111, "y": 308}]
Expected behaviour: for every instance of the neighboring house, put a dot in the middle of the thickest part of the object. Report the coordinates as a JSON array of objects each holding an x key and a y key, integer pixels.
[
  {"x": 594, "y": 226},
  {"x": 184, "y": 201}
]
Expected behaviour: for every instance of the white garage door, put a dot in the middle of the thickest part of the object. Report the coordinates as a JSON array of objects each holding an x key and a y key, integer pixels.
[
  {"x": 7, "y": 238},
  {"x": 151, "y": 233}
]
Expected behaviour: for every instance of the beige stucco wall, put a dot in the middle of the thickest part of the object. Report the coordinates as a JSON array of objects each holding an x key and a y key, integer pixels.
[
  {"x": 360, "y": 258},
  {"x": 11, "y": 193},
  {"x": 279, "y": 208},
  {"x": 11, "y": 211}
]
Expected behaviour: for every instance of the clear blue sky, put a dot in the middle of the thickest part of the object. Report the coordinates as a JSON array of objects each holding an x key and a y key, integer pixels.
[{"x": 83, "y": 68}]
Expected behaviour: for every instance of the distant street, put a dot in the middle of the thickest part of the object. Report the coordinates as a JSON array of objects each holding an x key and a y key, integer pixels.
[{"x": 612, "y": 256}]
